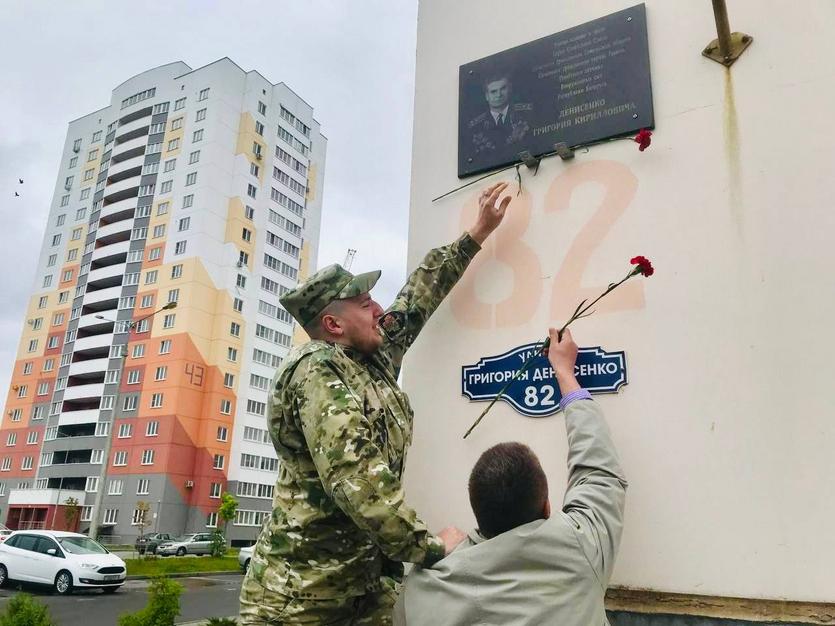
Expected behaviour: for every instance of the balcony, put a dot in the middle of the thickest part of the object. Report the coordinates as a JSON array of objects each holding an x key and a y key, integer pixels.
[
  {"x": 128, "y": 149},
  {"x": 84, "y": 416},
  {"x": 128, "y": 188},
  {"x": 92, "y": 342},
  {"x": 102, "y": 295},
  {"x": 106, "y": 232},
  {"x": 107, "y": 276},
  {"x": 132, "y": 129},
  {"x": 112, "y": 212},
  {"x": 135, "y": 115},
  {"x": 107, "y": 251},
  {"x": 43, "y": 496},
  {"x": 72, "y": 457},
  {"x": 125, "y": 168},
  {"x": 87, "y": 367},
  {"x": 85, "y": 391},
  {"x": 90, "y": 324}
]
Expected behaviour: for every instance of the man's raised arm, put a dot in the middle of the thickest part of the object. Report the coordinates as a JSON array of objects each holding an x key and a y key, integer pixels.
[{"x": 596, "y": 493}]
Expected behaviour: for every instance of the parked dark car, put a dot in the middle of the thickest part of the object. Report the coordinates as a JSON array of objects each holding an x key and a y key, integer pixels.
[{"x": 151, "y": 542}]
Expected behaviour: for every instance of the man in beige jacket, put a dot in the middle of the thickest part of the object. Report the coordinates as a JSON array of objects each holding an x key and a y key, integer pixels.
[{"x": 525, "y": 566}]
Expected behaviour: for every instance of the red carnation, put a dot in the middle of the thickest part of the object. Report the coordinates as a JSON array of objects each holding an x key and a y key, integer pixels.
[
  {"x": 644, "y": 265},
  {"x": 643, "y": 139}
]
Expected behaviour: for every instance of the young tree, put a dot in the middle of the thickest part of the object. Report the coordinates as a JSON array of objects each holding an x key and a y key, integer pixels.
[
  {"x": 225, "y": 513},
  {"x": 71, "y": 509},
  {"x": 143, "y": 508}
]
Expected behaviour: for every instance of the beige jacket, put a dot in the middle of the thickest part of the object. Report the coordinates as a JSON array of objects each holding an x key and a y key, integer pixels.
[{"x": 552, "y": 571}]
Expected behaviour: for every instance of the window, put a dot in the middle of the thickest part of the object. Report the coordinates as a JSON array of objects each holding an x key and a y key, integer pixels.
[
  {"x": 65, "y": 200},
  {"x": 42, "y": 483},
  {"x": 250, "y": 518},
  {"x": 153, "y": 148},
  {"x": 235, "y": 329},
  {"x": 37, "y": 323},
  {"x": 231, "y": 354},
  {"x": 88, "y": 174},
  {"x": 166, "y": 186},
  {"x": 146, "y": 190},
  {"x": 214, "y": 490},
  {"x": 72, "y": 255},
  {"x": 152, "y": 429},
  {"x": 129, "y": 403},
  {"x": 96, "y": 136},
  {"x": 228, "y": 380},
  {"x": 92, "y": 484},
  {"x": 191, "y": 179},
  {"x": 238, "y": 305},
  {"x": 22, "y": 391},
  {"x": 177, "y": 124},
  {"x": 114, "y": 488},
  {"x": 143, "y": 487},
  {"x": 86, "y": 513},
  {"x": 173, "y": 295},
  {"x": 139, "y": 233},
  {"x": 151, "y": 278},
  {"x": 194, "y": 157},
  {"x": 168, "y": 320},
  {"x": 259, "y": 382},
  {"x": 197, "y": 136},
  {"x": 179, "y": 104},
  {"x": 43, "y": 301},
  {"x": 204, "y": 94},
  {"x": 103, "y": 428},
  {"x": 141, "y": 211},
  {"x": 7, "y": 464},
  {"x": 156, "y": 401},
  {"x": 37, "y": 412},
  {"x": 97, "y": 457},
  {"x": 250, "y": 191},
  {"x": 159, "y": 231},
  {"x": 243, "y": 258},
  {"x": 11, "y": 440},
  {"x": 16, "y": 414},
  {"x": 33, "y": 345},
  {"x": 111, "y": 517},
  {"x": 155, "y": 254},
  {"x": 256, "y": 149},
  {"x": 188, "y": 201},
  {"x": 147, "y": 301},
  {"x": 26, "y": 464},
  {"x": 125, "y": 430},
  {"x": 85, "y": 193},
  {"x": 226, "y": 407},
  {"x": 200, "y": 115},
  {"x": 165, "y": 346},
  {"x": 76, "y": 234},
  {"x": 180, "y": 247},
  {"x": 183, "y": 224},
  {"x": 73, "y": 161},
  {"x": 218, "y": 462},
  {"x": 66, "y": 276},
  {"x": 120, "y": 459},
  {"x": 50, "y": 434},
  {"x": 262, "y": 108},
  {"x": 32, "y": 437},
  {"x": 211, "y": 520},
  {"x": 161, "y": 373},
  {"x": 68, "y": 182},
  {"x": 43, "y": 389},
  {"x": 173, "y": 144},
  {"x": 246, "y": 234},
  {"x": 128, "y": 302},
  {"x": 27, "y": 368},
  {"x": 52, "y": 260},
  {"x": 259, "y": 128},
  {"x": 222, "y": 433},
  {"x": 254, "y": 169},
  {"x": 241, "y": 281},
  {"x": 147, "y": 457},
  {"x": 138, "y": 351},
  {"x": 63, "y": 297},
  {"x": 162, "y": 208},
  {"x": 93, "y": 155},
  {"x": 256, "y": 408}
]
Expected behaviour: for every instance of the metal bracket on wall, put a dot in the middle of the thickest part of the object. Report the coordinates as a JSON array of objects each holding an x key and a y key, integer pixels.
[
  {"x": 728, "y": 46},
  {"x": 564, "y": 152},
  {"x": 529, "y": 160}
]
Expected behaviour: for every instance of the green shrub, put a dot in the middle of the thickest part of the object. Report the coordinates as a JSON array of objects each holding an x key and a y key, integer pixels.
[
  {"x": 222, "y": 621},
  {"x": 24, "y": 610},
  {"x": 163, "y": 605}
]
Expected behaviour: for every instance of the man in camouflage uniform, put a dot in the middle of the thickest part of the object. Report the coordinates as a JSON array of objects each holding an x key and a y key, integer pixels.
[{"x": 333, "y": 549}]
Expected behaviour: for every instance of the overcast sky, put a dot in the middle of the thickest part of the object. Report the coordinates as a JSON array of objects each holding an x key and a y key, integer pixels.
[{"x": 352, "y": 60}]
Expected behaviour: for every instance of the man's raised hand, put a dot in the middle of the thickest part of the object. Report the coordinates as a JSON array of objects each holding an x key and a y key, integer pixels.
[{"x": 490, "y": 214}]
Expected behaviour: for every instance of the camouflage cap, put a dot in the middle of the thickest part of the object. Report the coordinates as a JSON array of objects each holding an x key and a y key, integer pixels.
[{"x": 331, "y": 283}]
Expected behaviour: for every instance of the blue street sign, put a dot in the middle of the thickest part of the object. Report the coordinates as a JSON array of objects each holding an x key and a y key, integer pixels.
[{"x": 536, "y": 393}]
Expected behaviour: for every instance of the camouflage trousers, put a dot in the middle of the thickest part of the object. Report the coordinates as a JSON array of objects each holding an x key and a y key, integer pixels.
[{"x": 262, "y": 607}]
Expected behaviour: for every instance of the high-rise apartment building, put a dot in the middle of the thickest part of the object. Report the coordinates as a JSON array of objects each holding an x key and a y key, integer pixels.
[{"x": 196, "y": 187}]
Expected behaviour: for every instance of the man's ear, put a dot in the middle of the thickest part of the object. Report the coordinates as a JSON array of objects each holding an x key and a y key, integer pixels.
[
  {"x": 546, "y": 510},
  {"x": 332, "y": 325}
]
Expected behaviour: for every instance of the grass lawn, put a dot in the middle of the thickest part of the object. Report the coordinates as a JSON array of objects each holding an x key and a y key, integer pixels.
[{"x": 181, "y": 564}]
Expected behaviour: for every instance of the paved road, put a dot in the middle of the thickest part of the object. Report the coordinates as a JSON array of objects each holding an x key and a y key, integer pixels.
[{"x": 203, "y": 597}]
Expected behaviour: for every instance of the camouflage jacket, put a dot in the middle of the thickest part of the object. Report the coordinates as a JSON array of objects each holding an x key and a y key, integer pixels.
[{"x": 342, "y": 427}]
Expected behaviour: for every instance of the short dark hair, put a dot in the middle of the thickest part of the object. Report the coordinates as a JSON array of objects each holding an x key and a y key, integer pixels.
[
  {"x": 492, "y": 77},
  {"x": 507, "y": 488}
]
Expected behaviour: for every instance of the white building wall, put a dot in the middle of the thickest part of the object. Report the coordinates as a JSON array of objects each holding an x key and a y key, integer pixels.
[{"x": 725, "y": 427}]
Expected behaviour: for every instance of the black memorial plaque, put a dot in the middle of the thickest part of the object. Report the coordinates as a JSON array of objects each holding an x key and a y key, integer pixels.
[{"x": 581, "y": 85}]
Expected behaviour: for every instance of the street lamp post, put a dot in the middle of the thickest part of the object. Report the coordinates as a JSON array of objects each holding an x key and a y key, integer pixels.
[{"x": 108, "y": 442}]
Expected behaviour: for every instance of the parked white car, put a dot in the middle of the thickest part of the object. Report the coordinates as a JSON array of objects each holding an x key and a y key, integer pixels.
[
  {"x": 193, "y": 543},
  {"x": 244, "y": 556},
  {"x": 63, "y": 560},
  {"x": 4, "y": 533}
]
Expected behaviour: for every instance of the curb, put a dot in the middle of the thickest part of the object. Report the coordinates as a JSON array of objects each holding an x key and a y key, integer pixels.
[{"x": 187, "y": 575}]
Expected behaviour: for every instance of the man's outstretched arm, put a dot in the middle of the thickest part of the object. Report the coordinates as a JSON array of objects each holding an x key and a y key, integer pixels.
[
  {"x": 596, "y": 493},
  {"x": 437, "y": 274}
]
